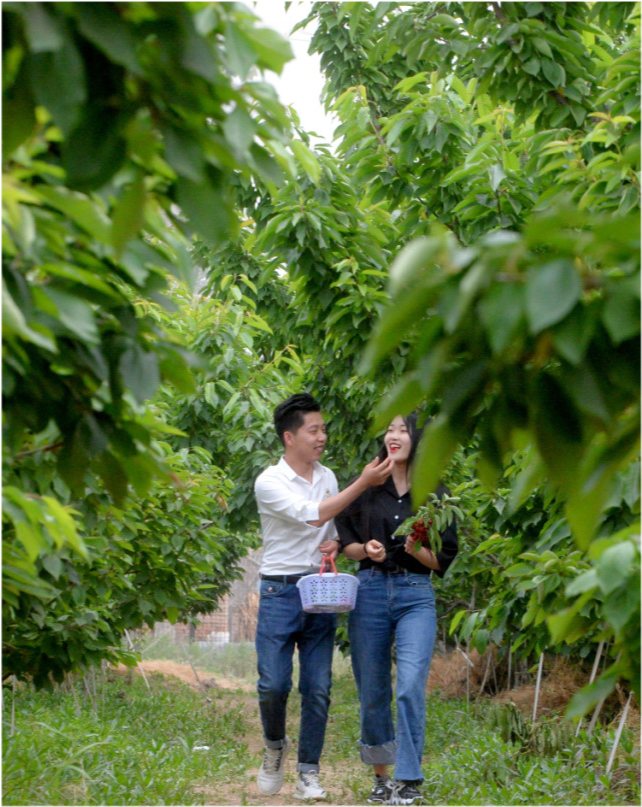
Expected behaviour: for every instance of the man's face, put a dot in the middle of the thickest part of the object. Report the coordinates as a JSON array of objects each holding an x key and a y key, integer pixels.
[{"x": 309, "y": 439}]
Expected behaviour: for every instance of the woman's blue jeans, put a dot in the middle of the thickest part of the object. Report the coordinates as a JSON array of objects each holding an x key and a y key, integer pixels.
[
  {"x": 282, "y": 625},
  {"x": 399, "y": 608}
]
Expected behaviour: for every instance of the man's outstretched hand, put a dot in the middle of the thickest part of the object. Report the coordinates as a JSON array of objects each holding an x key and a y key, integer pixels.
[{"x": 376, "y": 472}]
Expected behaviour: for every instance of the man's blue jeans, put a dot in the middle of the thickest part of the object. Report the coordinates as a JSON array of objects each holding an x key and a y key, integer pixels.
[
  {"x": 282, "y": 624},
  {"x": 399, "y": 607}
]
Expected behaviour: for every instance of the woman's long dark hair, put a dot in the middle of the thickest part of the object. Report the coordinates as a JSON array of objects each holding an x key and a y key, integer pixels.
[{"x": 415, "y": 431}]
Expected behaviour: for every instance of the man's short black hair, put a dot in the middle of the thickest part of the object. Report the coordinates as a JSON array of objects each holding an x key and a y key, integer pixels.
[{"x": 288, "y": 415}]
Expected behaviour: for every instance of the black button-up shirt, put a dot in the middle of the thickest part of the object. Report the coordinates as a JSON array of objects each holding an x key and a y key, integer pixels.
[{"x": 375, "y": 515}]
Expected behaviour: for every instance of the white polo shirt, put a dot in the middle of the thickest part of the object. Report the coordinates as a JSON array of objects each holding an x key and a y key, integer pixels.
[{"x": 286, "y": 502}]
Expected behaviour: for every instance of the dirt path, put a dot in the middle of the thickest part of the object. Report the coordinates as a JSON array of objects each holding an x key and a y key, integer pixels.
[{"x": 242, "y": 789}]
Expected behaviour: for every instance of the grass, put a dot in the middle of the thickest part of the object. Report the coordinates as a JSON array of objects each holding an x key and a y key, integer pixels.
[
  {"x": 466, "y": 762},
  {"x": 132, "y": 748}
]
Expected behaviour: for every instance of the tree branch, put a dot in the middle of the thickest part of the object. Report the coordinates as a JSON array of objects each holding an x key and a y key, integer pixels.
[{"x": 51, "y": 447}]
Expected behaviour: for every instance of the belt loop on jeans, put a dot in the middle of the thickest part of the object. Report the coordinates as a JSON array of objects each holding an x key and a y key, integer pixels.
[{"x": 286, "y": 579}]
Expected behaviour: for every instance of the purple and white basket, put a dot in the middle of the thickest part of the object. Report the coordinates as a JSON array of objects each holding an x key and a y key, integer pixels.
[{"x": 328, "y": 592}]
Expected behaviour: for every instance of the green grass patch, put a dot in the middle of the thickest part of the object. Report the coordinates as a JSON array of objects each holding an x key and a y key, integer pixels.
[
  {"x": 467, "y": 761},
  {"x": 135, "y": 748}
]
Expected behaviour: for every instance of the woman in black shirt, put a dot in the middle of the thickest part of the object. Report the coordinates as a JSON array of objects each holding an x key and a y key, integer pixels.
[{"x": 395, "y": 603}]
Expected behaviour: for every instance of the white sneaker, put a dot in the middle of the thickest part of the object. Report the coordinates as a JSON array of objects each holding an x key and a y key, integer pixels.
[
  {"x": 308, "y": 787},
  {"x": 272, "y": 770}
]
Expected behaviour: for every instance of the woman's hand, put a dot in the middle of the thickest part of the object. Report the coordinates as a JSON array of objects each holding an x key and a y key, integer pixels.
[
  {"x": 330, "y": 548},
  {"x": 410, "y": 545},
  {"x": 375, "y": 551}
]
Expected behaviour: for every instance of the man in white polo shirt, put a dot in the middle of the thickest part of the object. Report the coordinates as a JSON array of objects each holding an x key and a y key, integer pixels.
[{"x": 297, "y": 500}]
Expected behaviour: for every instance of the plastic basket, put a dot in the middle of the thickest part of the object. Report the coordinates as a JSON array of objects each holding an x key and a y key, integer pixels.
[{"x": 328, "y": 592}]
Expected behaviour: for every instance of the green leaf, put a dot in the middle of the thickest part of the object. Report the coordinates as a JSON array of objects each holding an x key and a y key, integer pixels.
[
  {"x": 501, "y": 311},
  {"x": 76, "y": 315},
  {"x": 542, "y": 46},
  {"x": 532, "y": 66},
  {"x": 558, "y": 430},
  {"x": 416, "y": 258},
  {"x": 552, "y": 290},
  {"x": 184, "y": 153},
  {"x": 80, "y": 208},
  {"x": 208, "y": 206},
  {"x": 621, "y": 313},
  {"x": 101, "y": 24},
  {"x": 197, "y": 53},
  {"x": 19, "y": 118},
  {"x": 573, "y": 334},
  {"x": 272, "y": 49},
  {"x": 239, "y": 129},
  {"x": 65, "y": 520},
  {"x": 437, "y": 446},
  {"x": 266, "y": 166},
  {"x": 587, "y": 581},
  {"x": 455, "y": 621},
  {"x": 113, "y": 476},
  {"x": 44, "y": 30},
  {"x": 554, "y": 73},
  {"x": 241, "y": 55},
  {"x": 496, "y": 175},
  {"x": 32, "y": 539},
  {"x": 614, "y": 565},
  {"x": 403, "y": 397},
  {"x": 307, "y": 160},
  {"x": 622, "y": 604},
  {"x": 140, "y": 372},
  {"x": 14, "y": 324},
  {"x": 95, "y": 149},
  {"x": 59, "y": 83},
  {"x": 129, "y": 214},
  {"x": 589, "y": 696}
]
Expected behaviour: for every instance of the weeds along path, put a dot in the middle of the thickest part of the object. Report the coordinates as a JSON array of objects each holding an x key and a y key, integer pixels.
[
  {"x": 468, "y": 761},
  {"x": 342, "y": 775}
]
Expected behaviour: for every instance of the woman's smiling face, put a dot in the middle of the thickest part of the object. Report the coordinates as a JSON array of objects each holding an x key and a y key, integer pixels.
[{"x": 397, "y": 440}]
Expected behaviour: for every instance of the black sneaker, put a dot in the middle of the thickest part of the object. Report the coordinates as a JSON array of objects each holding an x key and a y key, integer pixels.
[
  {"x": 381, "y": 790},
  {"x": 405, "y": 793}
]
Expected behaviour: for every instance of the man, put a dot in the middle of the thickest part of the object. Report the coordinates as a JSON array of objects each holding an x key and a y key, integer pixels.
[{"x": 297, "y": 500}]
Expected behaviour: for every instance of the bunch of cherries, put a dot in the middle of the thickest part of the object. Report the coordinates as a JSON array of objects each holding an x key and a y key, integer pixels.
[{"x": 420, "y": 531}]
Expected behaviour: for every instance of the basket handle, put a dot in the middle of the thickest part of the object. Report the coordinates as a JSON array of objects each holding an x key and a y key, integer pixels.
[{"x": 327, "y": 561}]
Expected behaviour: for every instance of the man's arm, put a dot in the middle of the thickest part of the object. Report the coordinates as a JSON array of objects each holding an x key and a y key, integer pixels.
[{"x": 375, "y": 473}]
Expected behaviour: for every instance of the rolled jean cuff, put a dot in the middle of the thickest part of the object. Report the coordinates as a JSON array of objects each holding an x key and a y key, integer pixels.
[
  {"x": 379, "y": 754},
  {"x": 307, "y": 767},
  {"x": 274, "y": 745}
]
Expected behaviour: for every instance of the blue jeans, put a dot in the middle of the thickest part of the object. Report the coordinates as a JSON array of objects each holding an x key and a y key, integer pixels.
[
  {"x": 282, "y": 624},
  {"x": 397, "y": 607}
]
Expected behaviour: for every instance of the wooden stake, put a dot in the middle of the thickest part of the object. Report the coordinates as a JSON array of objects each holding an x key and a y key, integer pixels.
[
  {"x": 140, "y": 666},
  {"x": 600, "y": 647},
  {"x": 537, "y": 685},
  {"x": 200, "y": 683},
  {"x": 618, "y": 734},
  {"x": 510, "y": 658},
  {"x": 487, "y": 670},
  {"x": 469, "y": 664},
  {"x": 599, "y": 706},
  {"x": 13, "y": 706}
]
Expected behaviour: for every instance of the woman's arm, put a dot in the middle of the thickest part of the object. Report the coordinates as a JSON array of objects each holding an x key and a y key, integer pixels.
[
  {"x": 371, "y": 549},
  {"x": 425, "y": 556}
]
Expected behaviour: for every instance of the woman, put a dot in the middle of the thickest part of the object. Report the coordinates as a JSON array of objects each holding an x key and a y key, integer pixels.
[{"x": 395, "y": 603}]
